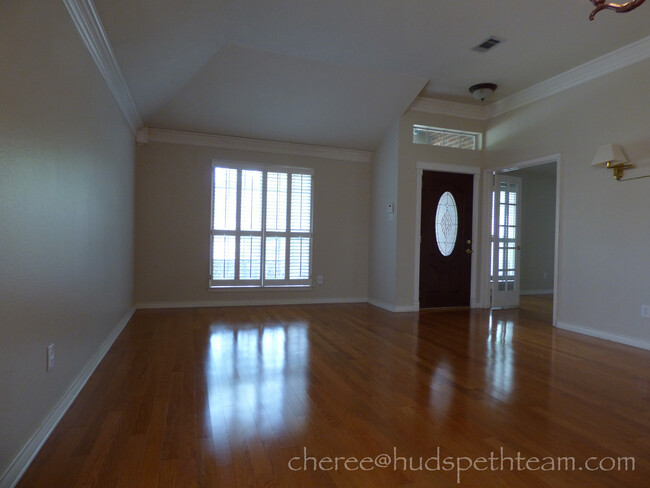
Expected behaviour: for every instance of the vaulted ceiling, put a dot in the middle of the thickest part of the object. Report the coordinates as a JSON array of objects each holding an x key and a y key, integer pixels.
[{"x": 340, "y": 72}]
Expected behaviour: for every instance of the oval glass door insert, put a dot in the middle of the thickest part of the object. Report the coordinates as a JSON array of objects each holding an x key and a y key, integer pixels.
[{"x": 446, "y": 223}]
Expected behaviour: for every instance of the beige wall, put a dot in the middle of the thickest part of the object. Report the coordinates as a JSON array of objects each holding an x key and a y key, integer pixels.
[
  {"x": 66, "y": 214},
  {"x": 604, "y": 234},
  {"x": 537, "y": 228},
  {"x": 383, "y": 226},
  {"x": 173, "y": 223},
  {"x": 409, "y": 155},
  {"x": 394, "y": 180}
]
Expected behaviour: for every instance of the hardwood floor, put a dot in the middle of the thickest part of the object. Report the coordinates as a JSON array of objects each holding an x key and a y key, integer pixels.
[
  {"x": 539, "y": 307},
  {"x": 238, "y": 397}
]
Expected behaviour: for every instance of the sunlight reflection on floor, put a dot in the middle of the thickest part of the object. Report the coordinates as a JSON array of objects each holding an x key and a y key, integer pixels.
[{"x": 257, "y": 379}]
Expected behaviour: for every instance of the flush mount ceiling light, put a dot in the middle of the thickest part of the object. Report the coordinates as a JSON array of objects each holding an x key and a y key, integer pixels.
[
  {"x": 482, "y": 90},
  {"x": 617, "y": 7}
]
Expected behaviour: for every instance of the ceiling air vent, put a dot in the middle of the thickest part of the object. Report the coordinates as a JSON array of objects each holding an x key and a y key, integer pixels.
[{"x": 487, "y": 44}]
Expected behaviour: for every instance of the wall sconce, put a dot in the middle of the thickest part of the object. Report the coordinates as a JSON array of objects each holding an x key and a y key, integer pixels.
[{"x": 611, "y": 156}]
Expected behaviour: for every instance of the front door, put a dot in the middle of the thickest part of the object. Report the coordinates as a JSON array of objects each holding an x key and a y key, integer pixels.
[{"x": 446, "y": 239}]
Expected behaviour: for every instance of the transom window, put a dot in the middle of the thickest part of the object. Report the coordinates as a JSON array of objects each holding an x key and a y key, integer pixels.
[
  {"x": 434, "y": 136},
  {"x": 261, "y": 226}
]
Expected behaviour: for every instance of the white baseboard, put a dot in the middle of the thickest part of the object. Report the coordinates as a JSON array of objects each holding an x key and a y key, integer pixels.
[
  {"x": 628, "y": 341},
  {"x": 246, "y": 303},
  {"x": 407, "y": 308},
  {"x": 548, "y": 291},
  {"x": 17, "y": 468},
  {"x": 385, "y": 306},
  {"x": 393, "y": 308},
  {"x": 254, "y": 303}
]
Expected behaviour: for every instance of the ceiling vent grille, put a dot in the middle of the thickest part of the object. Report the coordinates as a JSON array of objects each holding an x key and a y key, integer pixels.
[{"x": 488, "y": 44}]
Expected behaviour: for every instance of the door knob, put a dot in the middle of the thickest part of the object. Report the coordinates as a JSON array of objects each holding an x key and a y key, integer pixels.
[{"x": 469, "y": 251}]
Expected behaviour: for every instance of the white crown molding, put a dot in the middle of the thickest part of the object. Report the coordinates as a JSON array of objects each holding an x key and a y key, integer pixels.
[
  {"x": 245, "y": 144},
  {"x": 606, "y": 64},
  {"x": 87, "y": 21},
  {"x": 442, "y": 107},
  {"x": 142, "y": 135}
]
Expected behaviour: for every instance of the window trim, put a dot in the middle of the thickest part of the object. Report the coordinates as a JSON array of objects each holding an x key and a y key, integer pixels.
[{"x": 262, "y": 283}]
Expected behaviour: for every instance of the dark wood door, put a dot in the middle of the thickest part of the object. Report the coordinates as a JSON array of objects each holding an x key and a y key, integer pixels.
[{"x": 446, "y": 239}]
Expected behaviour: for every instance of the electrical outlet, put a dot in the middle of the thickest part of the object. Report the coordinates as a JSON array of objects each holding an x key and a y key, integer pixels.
[
  {"x": 319, "y": 280},
  {"x": 645, "y": 311},
  {"x": 50, "y": 358}
]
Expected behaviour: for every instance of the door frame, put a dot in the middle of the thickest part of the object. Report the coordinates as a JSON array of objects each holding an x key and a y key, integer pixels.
[
  {"x": 475, "y": 171},
  {"x": 487, "y": 219}
]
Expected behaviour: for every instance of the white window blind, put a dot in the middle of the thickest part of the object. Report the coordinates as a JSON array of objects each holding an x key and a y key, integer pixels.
[{"x": 261, "y": 226}]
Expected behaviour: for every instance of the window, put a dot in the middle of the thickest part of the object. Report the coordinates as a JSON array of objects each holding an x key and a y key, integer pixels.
[
  {"x": 507, "y": 236},
  {"x": 446, "y": 223},
  {"x": 261, "y": 226},
  {"x": 434, "y": 136}
]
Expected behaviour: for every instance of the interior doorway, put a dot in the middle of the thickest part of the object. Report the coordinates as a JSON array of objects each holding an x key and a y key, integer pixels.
[{"x": 523, "y": 235}]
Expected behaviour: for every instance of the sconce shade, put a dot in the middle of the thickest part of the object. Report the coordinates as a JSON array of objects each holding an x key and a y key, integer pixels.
[{"x": 609, "y": 154}]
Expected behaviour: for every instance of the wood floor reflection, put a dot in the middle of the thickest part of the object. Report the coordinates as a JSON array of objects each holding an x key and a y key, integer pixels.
[{"x": 231, "y": 396}]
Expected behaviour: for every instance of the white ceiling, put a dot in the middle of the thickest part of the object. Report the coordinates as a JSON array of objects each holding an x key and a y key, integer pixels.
[{"x": 340, "y": 72}]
